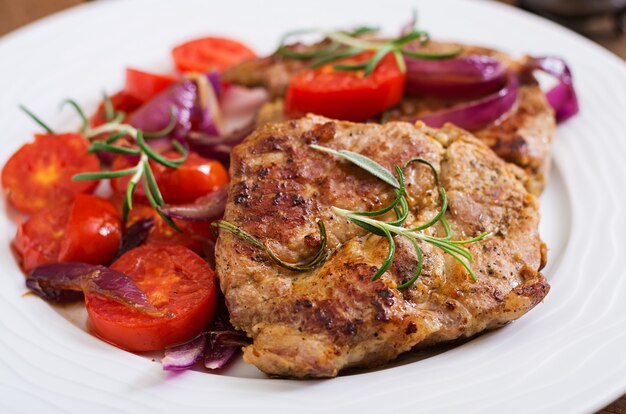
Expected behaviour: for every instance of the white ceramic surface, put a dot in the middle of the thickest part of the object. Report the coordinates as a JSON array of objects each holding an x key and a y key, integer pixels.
[{"x": 567, "y": 355}]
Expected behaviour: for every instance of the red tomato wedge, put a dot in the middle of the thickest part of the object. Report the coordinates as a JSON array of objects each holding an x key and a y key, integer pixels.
[
  {"x": 144, "y": 86},
  {"x": 196, "y": 177},
  {"x": 206, "y": 53},
  {"x": 176, "y": 281},
  {"x": 121, "y": 101},
  {"x": 346, "y": 95},
  {"x": 93, "y": 233},
  {"x": 39, "y": 174},
  {"x": 87, "y": 230}
]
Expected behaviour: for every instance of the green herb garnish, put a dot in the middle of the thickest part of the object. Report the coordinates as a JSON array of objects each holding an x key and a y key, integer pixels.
[
  {"x": 142, "y": 170},
  {"x": 318, "y": 258},
  {"x": 341, "y": 45},
  {"x": 366, "y": 220}
]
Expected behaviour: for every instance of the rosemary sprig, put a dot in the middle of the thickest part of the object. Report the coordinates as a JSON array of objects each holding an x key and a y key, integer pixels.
[
  {"x": 142, "y": 170},
  {"x": 341, "y": 45},
  {"x": 388, "y": 229},
  {"x": 318, "y": 258}
]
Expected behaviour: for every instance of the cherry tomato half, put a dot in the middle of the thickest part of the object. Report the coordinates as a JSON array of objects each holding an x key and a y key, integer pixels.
[
  {"x": 196, "y": 177},
  {"x": 86, "y": 230},
  {"x": 40, "y": 173},
  {"x": 206, "y": 53},
  {"x": 93, "y": 233},
  {"x": 176, "y": 281},
  {"x": 346, "y": 95},
  {"x": 144, "y": 86}
]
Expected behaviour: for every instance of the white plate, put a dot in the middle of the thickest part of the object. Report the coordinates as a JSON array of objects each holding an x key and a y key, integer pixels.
[{"x": 567, "y": 355}]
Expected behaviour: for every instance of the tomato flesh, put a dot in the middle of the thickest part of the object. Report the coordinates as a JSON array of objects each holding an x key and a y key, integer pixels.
[
  {"x": 196, "y": 177},
  {"x": 144, "y": 86},
  {"x": 93, "y": 233},
  {"x": 346, "y": 95},
  {"x": 40, "y": 173},
  {"x": 176, "y": 281},
  {"x": 206, "y": 53}
]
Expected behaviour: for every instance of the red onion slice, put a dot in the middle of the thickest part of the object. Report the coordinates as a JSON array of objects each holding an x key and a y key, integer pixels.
[
  {"x": 135, "y": 235},
  {"x": 223, "y": 347},
  {"x": 60, "y": 282},
  {"x": 191, "y": 114},
  {"x": 206, "y": 208},
  {"x": 218, "y": 147},
  {"x": 219, "y": 345},
  {"x": 182, "y": 357},
  {"x": 461, "y": 77},
  {"x": 562, "y": 98},
  {"x": 477, "y": 114}
]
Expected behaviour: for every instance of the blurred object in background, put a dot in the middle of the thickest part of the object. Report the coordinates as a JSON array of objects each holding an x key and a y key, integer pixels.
[
  {"x": 600, "y": 20},
  {"x": 582, "y": 15},
  {"x": 16, "y": 13}
]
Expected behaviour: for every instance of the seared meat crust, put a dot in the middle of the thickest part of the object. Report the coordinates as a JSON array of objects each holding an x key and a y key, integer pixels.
[
  {"x": 522, "y": 136},
  {"x": 319, "y": 322}
]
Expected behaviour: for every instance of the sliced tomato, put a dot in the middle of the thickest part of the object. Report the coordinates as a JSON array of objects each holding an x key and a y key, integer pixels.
[
  {"x": 206, "y": 53},
  {"x": 144, "y": 86},
  {"x": 346, "y": 95},
  {"x": 40, "y": 174},
  {"x": 86, "y": 230},
  {"x": 93, "y": 233},
  {"x": 196, "y": 177},
  {"x": 176, "y": 281},
  {"x": 194, "y": 235},
  {"x": 38, "y": 239},
  {"x": 121, "y": 101}
]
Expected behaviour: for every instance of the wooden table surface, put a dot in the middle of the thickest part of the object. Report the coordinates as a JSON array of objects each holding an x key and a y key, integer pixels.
[{"x": 16, "y": 13}]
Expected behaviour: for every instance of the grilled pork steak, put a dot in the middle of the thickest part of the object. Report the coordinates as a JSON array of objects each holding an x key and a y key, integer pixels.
[
  {"x": 319, "y": 322},
  {"x": 522, "y": 136}
]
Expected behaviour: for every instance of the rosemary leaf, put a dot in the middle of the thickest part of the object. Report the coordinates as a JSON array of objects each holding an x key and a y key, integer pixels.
[
  {"x": 103, "y": 146},
  {"x": 100, "y": 175},
  {"x": 37, "y": 120},
  {"x": 389, "y": 260},
  {"x": 81, "y": 114},
  {"x": 364, "y": 162},
  {"x": 109, "y": 110},
  {"x": 420, "y": 265}
]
